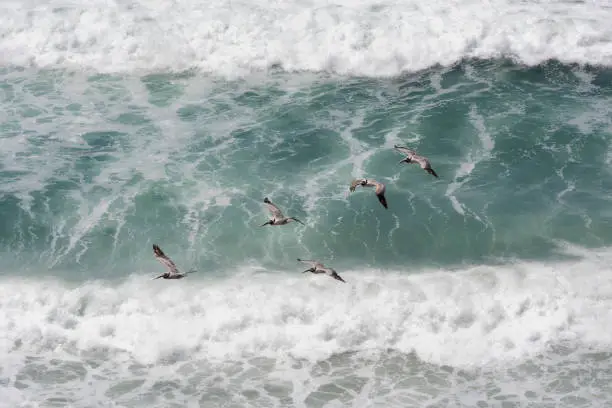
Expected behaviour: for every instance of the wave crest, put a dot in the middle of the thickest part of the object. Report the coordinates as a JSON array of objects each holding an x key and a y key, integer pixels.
[
  {"x": 367, "y": 38},
  {"x": 465, "y": 318}
]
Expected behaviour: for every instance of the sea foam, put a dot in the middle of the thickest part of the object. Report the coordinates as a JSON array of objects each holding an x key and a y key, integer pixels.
[
  {"x": 232, "y": 38},
  {"x": 477, "y": 316}
]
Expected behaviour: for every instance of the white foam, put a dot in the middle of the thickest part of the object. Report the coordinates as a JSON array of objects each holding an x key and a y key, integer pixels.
[
  {"x": 367, "y": 37},
  {"x": 475, "y": 154},
  {"x": 471, "y": 317}
]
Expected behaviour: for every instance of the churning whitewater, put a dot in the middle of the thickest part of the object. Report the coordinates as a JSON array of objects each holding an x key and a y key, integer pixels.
[
  {"x": 485, "y": 282},
  {"x": 362, "y": 37}
]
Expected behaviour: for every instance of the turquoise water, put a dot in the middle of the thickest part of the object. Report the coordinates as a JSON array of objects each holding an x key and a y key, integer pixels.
[
  {"x": 522, "y": 156},
  {"x": 124, "y": 125}
]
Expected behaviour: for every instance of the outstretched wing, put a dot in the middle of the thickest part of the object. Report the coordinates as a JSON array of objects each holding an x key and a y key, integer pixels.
[
  {"x": 354, "y": 184},
  {"x": 382, "y": 199},
  {"x": 312, "y": 263},
  {"x": 296, "y": 220},
  {"x": 274, "y": 210},
  {"x": 423, "y": 162},
  {"x": 164, "y": 260},
  {"x": 380, "y": 187},
  {"x": 334, "y": 274},
  {"x": 404, "y": 150}
]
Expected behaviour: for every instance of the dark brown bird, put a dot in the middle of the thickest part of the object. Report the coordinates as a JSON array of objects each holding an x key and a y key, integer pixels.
[
  {"x": 277, "y": 215},
  {"x": 173, "y": 272},
  {"x": 413, "y": 157},
  {"x": 380, "y": 188},
  {"x": 318, "y": 267}
]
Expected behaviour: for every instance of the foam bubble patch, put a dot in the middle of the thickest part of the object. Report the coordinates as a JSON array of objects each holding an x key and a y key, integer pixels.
[
  {"x": 476, "y": 316},
  {"x": 299, "y": 334},
  {"x": 367, "y": 38}
]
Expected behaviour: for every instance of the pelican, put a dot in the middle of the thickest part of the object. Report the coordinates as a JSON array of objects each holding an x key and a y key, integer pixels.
[
  {"x": 413, "y": 157},
  {"x": 380, "y": 188},
  {"x": 173, "y": 272},
  {"x": 277, "y": 215},
  {"x": 318, "y": 267}
]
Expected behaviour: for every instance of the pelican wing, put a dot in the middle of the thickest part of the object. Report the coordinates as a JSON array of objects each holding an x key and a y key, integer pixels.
[
  {"x": 334, "y": 274},
  {"x": 423, "y": 162},
  {"x": 404, "y": 150},
  {"x": 380, "y": 187},
  {"x": 312, "y": 263},
  {"x": 274, "y": 210},
  {"x": 164, "y": 260},
  {"x": 354, "y": 184}
]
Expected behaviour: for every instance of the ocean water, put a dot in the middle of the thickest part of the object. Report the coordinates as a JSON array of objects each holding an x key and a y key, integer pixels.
[{"x": 124, "y": 124}]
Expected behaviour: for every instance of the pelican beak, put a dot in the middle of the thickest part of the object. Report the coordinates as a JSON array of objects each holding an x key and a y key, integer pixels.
[{"x": 160, "y": 276}]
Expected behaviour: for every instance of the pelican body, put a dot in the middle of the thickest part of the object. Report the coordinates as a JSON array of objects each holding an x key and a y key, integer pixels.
[
  {"x": 379, "y": 188},
  {"x": 173, "y": 272},
  {"x": 278, "y": 218},
  {"x": 413, "y": 157},
  {"x": 317, "y": 267}
]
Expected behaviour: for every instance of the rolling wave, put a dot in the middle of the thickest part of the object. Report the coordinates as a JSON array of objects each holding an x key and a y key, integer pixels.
[
  {"x": 364, "y": 38},
  {"x": 492, "y": 279},
  {"x": 461, "y": 319}
]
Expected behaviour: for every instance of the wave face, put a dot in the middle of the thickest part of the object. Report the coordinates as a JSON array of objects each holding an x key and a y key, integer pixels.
[
  {"x": 489, "y": 285},
  {"x": 97, "y": 168},
  {"x": 366, "y": 37}
]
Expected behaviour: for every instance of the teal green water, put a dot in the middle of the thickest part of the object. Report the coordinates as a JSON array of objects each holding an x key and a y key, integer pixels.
[
  {"x": 486, "y": 287},
  {"x": 97, "y": 168},
  {"x": 127, "y": 124}
]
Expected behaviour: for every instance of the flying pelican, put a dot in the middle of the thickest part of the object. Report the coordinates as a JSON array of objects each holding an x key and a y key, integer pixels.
[
  {"x": 413, "y": 157},
  {"x": 380, "y": 188},
  {"x": 173, "y": 272},
  {"x": 277, "y": 215},
  {"x": 318, "y": 267}
]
